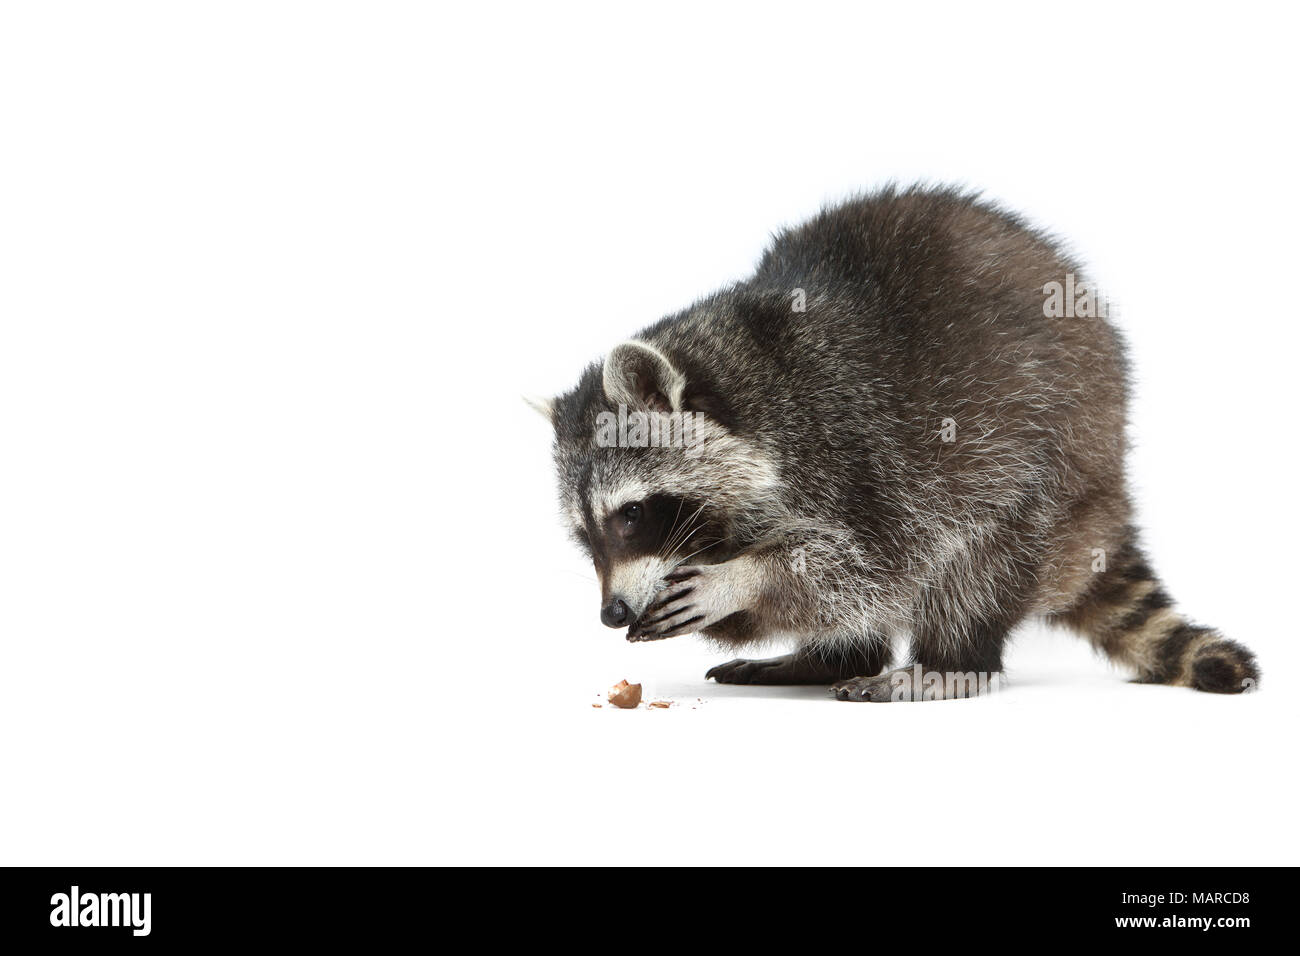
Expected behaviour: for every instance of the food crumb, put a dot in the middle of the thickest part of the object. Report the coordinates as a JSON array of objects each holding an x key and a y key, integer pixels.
[{"x": 661, "y": 703}]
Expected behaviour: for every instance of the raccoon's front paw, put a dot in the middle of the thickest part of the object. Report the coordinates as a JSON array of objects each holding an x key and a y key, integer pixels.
[
  {"x": 696, "y": 597},
  {"x": 790, "y": 669}
]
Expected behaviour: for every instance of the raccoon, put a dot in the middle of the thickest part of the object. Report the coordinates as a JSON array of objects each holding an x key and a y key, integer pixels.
[{"x": 885, "y": 436}]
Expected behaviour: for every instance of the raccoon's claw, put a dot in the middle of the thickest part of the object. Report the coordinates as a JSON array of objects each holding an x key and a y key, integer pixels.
[
  {"x": 640, "y": 633},
  {"x": 876, "y": 690},
  {"x": 685, "y": 627}
]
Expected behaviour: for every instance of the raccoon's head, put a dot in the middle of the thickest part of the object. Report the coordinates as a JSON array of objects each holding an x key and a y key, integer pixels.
[{"x": 652, "y": 473}]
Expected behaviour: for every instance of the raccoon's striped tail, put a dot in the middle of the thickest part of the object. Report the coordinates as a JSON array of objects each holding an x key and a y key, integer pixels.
[{"x": 1127, "y": 615}]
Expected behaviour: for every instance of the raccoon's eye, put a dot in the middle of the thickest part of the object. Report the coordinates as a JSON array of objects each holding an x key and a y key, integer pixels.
[{"x": 632, "y": 513}]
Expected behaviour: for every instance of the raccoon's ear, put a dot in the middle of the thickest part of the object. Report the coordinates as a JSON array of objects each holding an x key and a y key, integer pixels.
[
  {"x": 543, "y": 406},
  {"x": 640, "y": 376}
]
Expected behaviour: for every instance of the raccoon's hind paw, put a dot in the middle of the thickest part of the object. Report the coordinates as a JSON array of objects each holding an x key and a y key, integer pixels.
[
  {"x": 910, "y": 685},
  {"x": 875, "y": 690}
]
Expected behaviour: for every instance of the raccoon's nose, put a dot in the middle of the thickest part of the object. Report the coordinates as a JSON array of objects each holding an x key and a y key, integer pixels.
[{"x": 614, "y": 614}]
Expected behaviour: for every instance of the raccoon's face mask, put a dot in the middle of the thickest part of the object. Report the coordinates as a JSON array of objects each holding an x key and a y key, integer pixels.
[
  {"x": 649, "y": 476},
  {"x": 642, "y": 542}
]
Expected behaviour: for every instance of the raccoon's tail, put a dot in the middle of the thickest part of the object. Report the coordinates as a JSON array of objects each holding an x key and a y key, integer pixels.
[{"x": 1127, "y": 615}]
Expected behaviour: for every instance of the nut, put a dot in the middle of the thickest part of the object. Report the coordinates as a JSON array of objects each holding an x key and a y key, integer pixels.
[{"x": 625, "y": 695}]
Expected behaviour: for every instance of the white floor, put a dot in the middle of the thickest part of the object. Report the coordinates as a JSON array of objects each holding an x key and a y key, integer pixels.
[{"x": 1067, "y": 764}]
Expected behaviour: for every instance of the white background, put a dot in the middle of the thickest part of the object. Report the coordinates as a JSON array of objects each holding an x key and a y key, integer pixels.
[{"x": 281, "y": 576}]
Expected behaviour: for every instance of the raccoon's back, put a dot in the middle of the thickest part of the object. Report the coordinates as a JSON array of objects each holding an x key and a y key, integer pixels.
[
  {"x": 922, "y": 313},
  {"x": 919, "y": 270}
]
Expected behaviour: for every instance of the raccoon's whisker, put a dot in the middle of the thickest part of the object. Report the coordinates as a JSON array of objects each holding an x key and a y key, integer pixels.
[
  {"x": 681, "y": 502},
  {"x": 674, "y": 540},
  {"x": 682, "y": 533},
  {"x": 666, "y": 546},
  {"x": 689, "y": 526},
  {"x": 677, "y": 541},
  {"x": 705, "y": 548},
  {"x": 686, "y": 537}
]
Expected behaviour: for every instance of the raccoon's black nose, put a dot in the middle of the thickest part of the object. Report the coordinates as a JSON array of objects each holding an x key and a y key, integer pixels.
[{"x": 614, "y": 614}]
